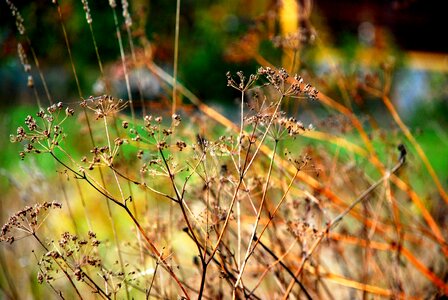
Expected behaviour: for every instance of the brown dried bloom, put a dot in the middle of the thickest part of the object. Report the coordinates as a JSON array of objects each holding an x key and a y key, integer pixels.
[
  {"x": 126, "y": 15},
  {"x": 72, "y": 252},
  {"x": 112, "y": 3},
  {"x": 243, "y": 84},
  {"x": 302, "y": 162},
  {"x": 303, "y": 230},
  {"x": 19, "y": 19},
  {"x": 44, "y": 132},
  {"x": 286, "y": 85},
  {"x": 86, "y": 8},
  {"x": 23, "y": 58},
  {"x": 176, "y": 119},
  {"x": 104, "y": 106},
  {"x": 28, "y": 220},
  {"x": 263, "y": 113}
]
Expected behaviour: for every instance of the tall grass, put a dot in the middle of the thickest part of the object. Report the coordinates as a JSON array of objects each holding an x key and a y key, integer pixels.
[{"x": 180, "y": 201}]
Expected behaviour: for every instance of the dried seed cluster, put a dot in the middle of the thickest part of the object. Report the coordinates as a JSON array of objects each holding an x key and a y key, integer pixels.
[
  {"x": 85, "y": 6},
  {"x": 72, "y": 253},
  {"x": 286, "y": 85},
  {"x": 19, "y": 19},
  {"x": 43, "y": 132},
  {"x": 26, "y": 221},
  {"x": 104, "y": 106}
]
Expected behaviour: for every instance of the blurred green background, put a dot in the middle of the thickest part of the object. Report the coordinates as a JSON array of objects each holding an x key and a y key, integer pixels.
[{"x": 351, "y": 41}]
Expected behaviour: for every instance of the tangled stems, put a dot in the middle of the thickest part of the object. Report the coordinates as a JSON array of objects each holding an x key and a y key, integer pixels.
[
  {"x": 79, "y": 273},
  {"x": 244, "y": 154},
  {"x": 28, "y": 220},
  {"x": 153, "y": 249},
  {"x": 333, "y": 223},
  {"x": 60, "y": 267}
]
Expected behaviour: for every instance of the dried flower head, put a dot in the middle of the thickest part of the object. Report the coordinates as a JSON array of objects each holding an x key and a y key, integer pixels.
[
  {"x": 302, "y": 162},
  {"x": 75, "y": 254},
  {"x": 44, "y": 132},
  {"x": 26, "y": 221},
  {"x": 112, "y": 3},
  {"x": 126, "y": 15},
  {"x": 286, "y": 85},
  {"x": 243, "y": 84},
  {"x": 85, "y": 6},
  {"x": 23, "y": 58},
  {"x": 104, "y": 106},
  {"x": 19, "y": 19},
  {"x": 303, "y": 230}
]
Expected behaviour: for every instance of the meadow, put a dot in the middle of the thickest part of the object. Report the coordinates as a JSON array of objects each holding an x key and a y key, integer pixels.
[{"x": 204, "y": 150}]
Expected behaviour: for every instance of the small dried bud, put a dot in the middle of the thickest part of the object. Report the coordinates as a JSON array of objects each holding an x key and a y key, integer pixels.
[
  {"x": 167, "y": 132},
  {"x": 69, "y": 111},
  {"x": 140, "y": 154},
  {"x": 181, "y": 145},
  {"x": 161, "y": 145},
  {"x": 86, "y": 8},
  {"x": 126, "y": 15},
  {"x": 119, "y": 141},
  {"x": 30, "y": 82},
  {"x": 125, "y": 124},
  {"x": 176, "y": 119}
]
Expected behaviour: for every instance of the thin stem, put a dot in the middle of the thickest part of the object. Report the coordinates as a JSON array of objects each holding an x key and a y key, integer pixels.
[
  {"x": 148, "y": 293},
  {"x": 123, "y": 63},
  {"x": 238, "y": 208},
  {"x": 417, "y": 147},
  {"x": 241, "y": 131},
  {"x": 180, "y": 201},
  {"x": 134, "y": 60},
  {"x": 272, "y": 215},
  {"x": 260, "y": 209},
  {"x": 264, "y": 135},
  {"x": 234, "y": 197},
  {"x": 279, "y": 261},
  {"x": 176, "y": 57},
  {"x": 67, "y": 44},
  {"x": 39, "y": 70},
  {"x": 203, "y": 278},
  {"x": 97, "y": 53},
  {"x": 111, "y": 219}
]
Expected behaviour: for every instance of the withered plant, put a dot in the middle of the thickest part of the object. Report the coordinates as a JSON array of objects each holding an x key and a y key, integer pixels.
[{"x": 181, "y": 202}]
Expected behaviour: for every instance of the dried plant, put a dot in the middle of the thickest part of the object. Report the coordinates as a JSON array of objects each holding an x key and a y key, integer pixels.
[{"x": 198, "y": 206}]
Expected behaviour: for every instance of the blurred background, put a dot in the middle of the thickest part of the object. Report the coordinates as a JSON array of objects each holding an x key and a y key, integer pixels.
[{"x": 335, "y": 45}]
